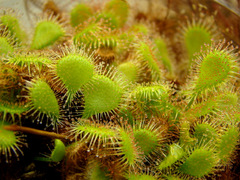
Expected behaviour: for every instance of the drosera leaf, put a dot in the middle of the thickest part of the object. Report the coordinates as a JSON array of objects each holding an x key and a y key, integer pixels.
[
  {"x": 151, "y": 99},
  {"x": 175, "y": 153},
  {"x": 201, "y": 162},
  {"x": 57, "y": 154},
  {"x": 43, "y": 100},
  {"x": 149, "y": 136},
  {"x": 145, "y": 55},
  {"x": 96, "y": 171},
  {"x": 163, "y": 54},
  {"x": 74, "y": 71},
  {"x": 205, "y": 133},
  {"x": 10, "y": 142},
  {"x": 195, "y": 37},
  {"x": 11, "y": 23},
  {"x": 30, "y": 62},
  {"x": 5, "y": 46},
  {"x": 131, "y": 153},
  {"x": 79, "y": 14},
  {"x": 12, "y": 109},
  {"x": 146, "y": 139},
  {"x": 118, "y": 9},
  {"x": 228, "y": 144},
  {"x": 47, "y": 32},
  {"x": 103, "y": 94},
  {"x": 130, "y": 71},
  {"x": 97, "y": 135},
  {"x": 212, "y": 104},
  {"x": 141, "y": 177},
  {"x": 215, "y": 67},
  {"x": 95, "y": 35},
  {"x": 196, "y": 34}
]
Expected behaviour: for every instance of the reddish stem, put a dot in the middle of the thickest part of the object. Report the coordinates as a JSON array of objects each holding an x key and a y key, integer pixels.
[{"x": 35, "y": 131}]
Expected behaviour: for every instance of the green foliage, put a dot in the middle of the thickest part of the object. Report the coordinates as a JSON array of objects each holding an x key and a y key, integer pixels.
[
  {"x": 30, "y": 62},
  {"x": 44, "y": 100},
  {"x": 214, "y": 104},
  {"x": 5, "y": 46},
  {"x": 141, "y": 177},
  {"x": 97, "y": 134},
  {"x": 146, "y": 140},
  {"x": 99, "y": 80},
  {"x": 74, "y": 71},
  {"x": 46, "y": 33},
  {"x": 175, "y": 153},
  {"x": 9, "y": 142},
  {"x": 79, "y": 14},
  {"x": 129, "y": 70},
  {"x": 205, "y": 133},
  {"x": 96, "y": 172},
  {"x": 110, "y": 20},
  {"x": 12, "y": 109},
  {"x": 227, "y": 144},
  {"x": 13, "y": 27},
  {"x": 119, "y": 9},
  {"x": 163, "y": 54},
  {"x": 200, "y": 163},
  {"x": 95, "y": 35},
  {"x": 151, "y": 99},
  {"x": 101, "y": 95},
  {"x": 130, "y": 153},
  {"x": 58, "y": 152},
  {"x": 216, "y": 67},
  {"x": 147, "y": 58},
  {"x": 195, "y": 36}
]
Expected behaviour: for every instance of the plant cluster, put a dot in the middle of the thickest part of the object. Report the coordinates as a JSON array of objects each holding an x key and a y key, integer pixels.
[{"x": 110, "y": 94}]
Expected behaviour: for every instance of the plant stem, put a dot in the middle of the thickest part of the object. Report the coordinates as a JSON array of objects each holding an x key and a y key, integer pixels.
[{"x": 35, "y": 131}]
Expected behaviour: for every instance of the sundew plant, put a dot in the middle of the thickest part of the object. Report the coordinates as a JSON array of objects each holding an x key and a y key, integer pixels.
[{"x": 108, "y": 91}]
